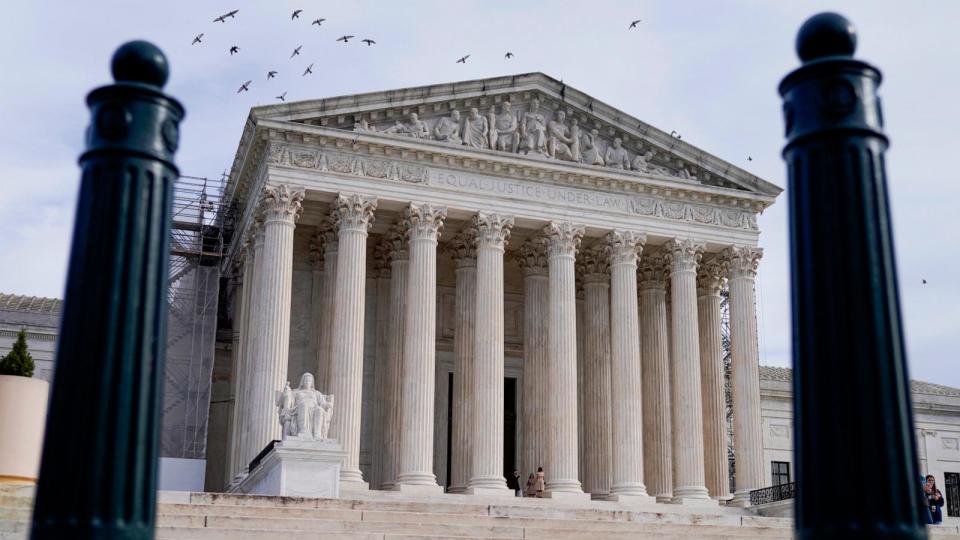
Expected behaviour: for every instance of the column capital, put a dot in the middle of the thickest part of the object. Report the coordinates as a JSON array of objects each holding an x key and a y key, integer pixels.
[
  {"x": 493, "y": 230},
  {"x": 653, "y": 271},
  {"x": 316, "y": 250},
  {"x": 425, "y": 221},
  {"x": 532, "y": 256},
  {"x": 624, "y": 247},
  {"x": 683, "y": 254},
  {"x": 396, "y": 240},
  {"x": 710, "y": 276},
  {"x": 741, "y": 261},
  {"x": 256, "y": 232},
  {"x": 328, "y": 229},
  {"x": 282, "y": 203},
  {"x": 563, "y": 238},
  {"x": 463, "y": 247},
  {"x": 353, "y": 212},
  {"x": 593, "y": 265},
  {"x": 381, "y": 259}
]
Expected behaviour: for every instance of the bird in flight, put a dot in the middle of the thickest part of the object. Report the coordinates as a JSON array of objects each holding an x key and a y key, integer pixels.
[
  {"x": 282, "y": 97},
  {"x": 509, "y": 55},
  {"x": 296, "y": 14},
  {"x": 308, "y": 70},
  {"x": 271, "y": 74},
  {"x": 345, "y": 39},
  {"x": 198, "y": 39},
  {"x": 924, "y": 282},
  {"x": 223, "y": 18},
  {"x": 244, "y": 87},
  {"x": 234, "y": 49},
  {"x": 463, "y": 60},
  {"x": 318, "y": 22},
  {"x": 634, "y": 24},
  {"x": 749, "y": 158},
  {"x": 368, "y": 41},
  {"x": 296, "y": 51}
]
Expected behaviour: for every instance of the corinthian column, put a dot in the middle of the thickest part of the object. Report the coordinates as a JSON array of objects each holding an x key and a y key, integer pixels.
[
  {"x": 626, "y": 401},
  {"x": 281, "y": 208},
  {"x": 688, "y": 482},
  {"x": 594, "y": 402},
  {"x": 532, "y": 257},
  {"x": 354, "y": 215},
  {"x": 381, "y": 269},
  {"x": 463, "y": 248},
  {"x": 396, "y": 239},
  {"x": 328, "y": 284},
  {"x": 419, "y": 352},
  {"x": 741, "y": 265},
  {"x": 655, "y": 371},
  {"x": 252, "y": 335},
  {"x": 234, "y": 465},
  {"x": 709, "y": 281},
  {"x": 486, "y": 475},
  {"x": 561, "y": 422}
]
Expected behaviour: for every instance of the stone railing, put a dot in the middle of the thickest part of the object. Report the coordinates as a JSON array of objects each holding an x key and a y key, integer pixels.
[{"x": 771, "y": 494}]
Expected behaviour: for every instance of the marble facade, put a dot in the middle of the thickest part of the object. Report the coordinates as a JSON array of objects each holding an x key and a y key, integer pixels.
[{"x": 402, "y": 242}]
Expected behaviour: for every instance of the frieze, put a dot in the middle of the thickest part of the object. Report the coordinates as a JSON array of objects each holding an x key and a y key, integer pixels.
[{"x": 386, "y": 169}]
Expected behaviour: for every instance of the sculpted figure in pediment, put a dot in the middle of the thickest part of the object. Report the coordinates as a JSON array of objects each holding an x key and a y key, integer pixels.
[
  {"x": 476, "y": 129},
  {"x": 415, "y": 128},
  {"x": 558, "y": 138},
  {"x": 533, "y": 130},
  {"x": 590, "y": 148},
  {"x": 448, "y": 129},
  {"x": 503, "y": 131},
  {"x": 686, "y": 172},
  {"x": 362, "y": 125},
  {"x": 644, "y": 163},
  {"x": 575, "y": 139},
  {"x": 617, "y": 156}
]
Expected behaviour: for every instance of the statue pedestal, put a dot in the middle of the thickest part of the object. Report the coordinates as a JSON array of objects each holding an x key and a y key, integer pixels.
[{"x": 298, "y": 468}]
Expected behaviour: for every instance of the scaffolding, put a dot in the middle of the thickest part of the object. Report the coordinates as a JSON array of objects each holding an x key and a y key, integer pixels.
[{"x": 196, "y": 248}]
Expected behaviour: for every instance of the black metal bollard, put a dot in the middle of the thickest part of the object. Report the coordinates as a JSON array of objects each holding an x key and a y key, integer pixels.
[
  {"x": 856, "y": 461},
  {"x": 98, "y": 474}
]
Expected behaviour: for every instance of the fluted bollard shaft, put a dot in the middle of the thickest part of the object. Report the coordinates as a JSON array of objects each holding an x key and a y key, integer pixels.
[
  {"x": 689, "y": 480},
  {"x": 716, "y": 468},
  {"x": 655, "y": 369},
  {"x": 399, "y": 262},
  {"x": 280, "y": 207},
  {"x": 626, "y": 403},
  {"x": 419, "y": 352},
  {"x": 354, "y": 216},
  {"x": 846, "y": 312},
  {"x": 532, "y": 257},
  {"x": 486, "y": 477},
  {"x": 562, "y": 465},
  {"x": 464, "y": 251},
  {"x": 98, "y": 472}
]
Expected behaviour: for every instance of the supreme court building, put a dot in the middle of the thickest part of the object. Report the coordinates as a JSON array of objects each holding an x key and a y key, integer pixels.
[{"x": 496, "y": 274}]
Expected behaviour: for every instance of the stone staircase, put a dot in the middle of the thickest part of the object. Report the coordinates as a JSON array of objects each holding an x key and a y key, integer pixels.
[{"x": 393, "y": 516}]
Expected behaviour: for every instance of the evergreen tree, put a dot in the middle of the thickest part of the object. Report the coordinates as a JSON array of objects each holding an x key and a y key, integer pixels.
[{"x": 18, "y": 361}]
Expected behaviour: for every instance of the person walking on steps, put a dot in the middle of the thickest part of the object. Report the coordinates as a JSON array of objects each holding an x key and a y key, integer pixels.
[
  {"x": 531, "y": 484},
  {"x": 513, "y": 482},
  {"x": 540, "y": 483}
]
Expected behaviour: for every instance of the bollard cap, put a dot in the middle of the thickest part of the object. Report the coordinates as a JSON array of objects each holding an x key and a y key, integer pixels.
[
  {"x": 826, "y": 34},
  {"x": 140, "y": 62}
]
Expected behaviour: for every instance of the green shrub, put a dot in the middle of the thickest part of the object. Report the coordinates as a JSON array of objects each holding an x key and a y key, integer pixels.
[{"x": 18, "y": 361}]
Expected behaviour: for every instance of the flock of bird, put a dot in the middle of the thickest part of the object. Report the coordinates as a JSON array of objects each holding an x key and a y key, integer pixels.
[{"x": 235, "y": 49}]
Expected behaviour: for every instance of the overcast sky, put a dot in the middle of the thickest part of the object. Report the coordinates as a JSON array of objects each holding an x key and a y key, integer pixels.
[{"x": 708, "y": 70}]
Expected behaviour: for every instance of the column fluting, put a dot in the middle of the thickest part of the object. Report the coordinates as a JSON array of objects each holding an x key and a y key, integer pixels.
[
  {"x": 419, "y": 357},
  {"x": 532, "y": 257},
  {"x": 655, "y": 371},
  {"x": 626, "y": 403},
  {"x": 331, "y": 243},
  {"x": 381, "y": 269},
  {"x": 396, "y": 238},
  {"x": 741, "y": 264},
  {"x": 234, "y": 465},
  {"x": 354, "y": 215},
  {"x": 561, "y": 471},
  {"x": 709, "y": 281},
  {"x": 251, "y": 338},
  {"x": 463, "y": 249},
  {"x": 689, "y": 481},
  {"x": 281, "y": 209}
]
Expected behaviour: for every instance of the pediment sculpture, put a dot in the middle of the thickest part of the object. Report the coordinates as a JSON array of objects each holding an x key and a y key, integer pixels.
[{"x": 304, "y": 412}]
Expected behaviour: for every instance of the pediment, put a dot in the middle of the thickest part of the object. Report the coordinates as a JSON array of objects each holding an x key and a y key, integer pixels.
[{"x": 531, "y": 116}]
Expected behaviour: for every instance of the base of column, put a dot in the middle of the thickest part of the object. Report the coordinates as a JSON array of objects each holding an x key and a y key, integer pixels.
[
  {"x": 457, "y": 490},
  {"x": 418, "y": 489},
  {"x": 694, "y": 501},
  {"x": 566, "y": 495},
  {"x": 663, "y": 498},
  {"x": 722, "y": 499},
  {"x": 598, "y": 496},
  {"x": 740, "y": 499},
  {"x": 500, "y": 493},
  {"x": 387, "y": 486},
  {"x": 630, "y": 499}
]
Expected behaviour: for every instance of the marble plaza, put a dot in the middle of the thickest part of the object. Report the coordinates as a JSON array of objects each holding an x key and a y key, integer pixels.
[{"x": 494, "y": 274}]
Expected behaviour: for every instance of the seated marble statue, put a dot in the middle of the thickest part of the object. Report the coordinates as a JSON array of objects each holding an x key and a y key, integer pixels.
[
  {"x": 304, "y": 412},
  {"x": 590, "y": 148},
  {"x": 617, "y": 157},
  {"x": 448, "y": 129}
]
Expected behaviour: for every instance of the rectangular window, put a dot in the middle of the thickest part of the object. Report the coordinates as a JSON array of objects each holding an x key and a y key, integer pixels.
[
  {"x": 952, "y": 484},
  {"x": 781, "y": 472}
]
